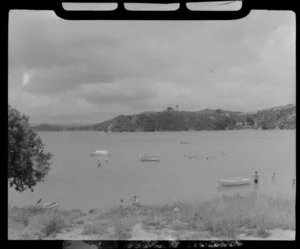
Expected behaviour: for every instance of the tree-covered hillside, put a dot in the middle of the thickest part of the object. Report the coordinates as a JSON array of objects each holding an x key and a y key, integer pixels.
[{"x": 283, "y": 117}]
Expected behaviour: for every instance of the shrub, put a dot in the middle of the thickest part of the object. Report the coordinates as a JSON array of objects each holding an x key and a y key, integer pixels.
[{"x": 47, "y": 223}]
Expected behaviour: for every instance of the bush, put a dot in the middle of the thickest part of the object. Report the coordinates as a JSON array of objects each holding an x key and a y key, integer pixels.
[
  {"x": 48, "y": 223},
  {"x": 23, "y": 215},
  {"x": 36, "y": 223}
]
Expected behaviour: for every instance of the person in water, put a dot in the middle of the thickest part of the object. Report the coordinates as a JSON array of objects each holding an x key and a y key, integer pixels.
[
  {"x": 134, "y": 200},
  {"x": 273, "y": 176},
  {"x": 99, "y": 163},
  {"x": 121, "y": 203},
  {"x": 256, "y": 177}
]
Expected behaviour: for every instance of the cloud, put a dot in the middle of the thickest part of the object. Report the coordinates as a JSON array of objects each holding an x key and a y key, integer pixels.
[
  {"x": 119, "y": 92},
  {"x": 104, "y": 68}
]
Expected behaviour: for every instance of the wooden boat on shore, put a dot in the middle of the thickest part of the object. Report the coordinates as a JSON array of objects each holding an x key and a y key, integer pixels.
[
  {"x": 48, "y": 205},
  {"x": 237, "y": 181},
  {"x": 146, "y": 158}
]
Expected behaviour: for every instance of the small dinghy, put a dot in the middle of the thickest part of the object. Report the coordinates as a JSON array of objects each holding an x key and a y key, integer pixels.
[
  {"x": 237, "y": 181},
  {"x": 146, "y": 158},
  {"x": 100, "y": 153},
  {"x": 184, "y": 142}
]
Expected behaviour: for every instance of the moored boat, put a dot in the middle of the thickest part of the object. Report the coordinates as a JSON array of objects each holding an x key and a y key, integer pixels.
[
  {"x": 145, "y": 158},
  {"x": 184, "y": 142},
  {"x": 237, "y": 181},
  {"x": 100, "y": 153}
]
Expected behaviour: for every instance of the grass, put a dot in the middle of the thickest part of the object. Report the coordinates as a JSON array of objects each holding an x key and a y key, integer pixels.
[
  {"x": 122, "y": 231},
  {"x": 225, "y": 216},
  {"x": 229, "y": 216},
  {"x": 37, "y": 223},
  {"x": 97, "y": 228}
]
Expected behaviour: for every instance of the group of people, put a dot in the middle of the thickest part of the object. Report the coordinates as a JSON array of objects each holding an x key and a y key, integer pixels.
[
  {"x": 134, "y": 201},
  {"x": 256, "y": 178}
]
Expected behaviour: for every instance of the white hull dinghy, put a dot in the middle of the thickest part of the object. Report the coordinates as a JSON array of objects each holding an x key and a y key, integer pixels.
[
  {"x": 100, "y": 153},
  {"x": 146, "y": 158},
  {"x": 238, "y": 181}
]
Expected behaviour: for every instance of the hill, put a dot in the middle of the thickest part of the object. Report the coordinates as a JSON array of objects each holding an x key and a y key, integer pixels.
[{"x": 281, "y": 117}]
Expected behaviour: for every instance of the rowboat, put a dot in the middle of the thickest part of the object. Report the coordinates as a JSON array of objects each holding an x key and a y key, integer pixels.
[
  {"x": 146, "y": 158},
  {"x": 100, "y": 153},
  {"x": 237, "y": 181}
]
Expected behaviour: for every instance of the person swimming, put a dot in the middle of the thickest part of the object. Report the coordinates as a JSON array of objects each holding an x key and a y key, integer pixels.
[{"x": 255, "y": 177}]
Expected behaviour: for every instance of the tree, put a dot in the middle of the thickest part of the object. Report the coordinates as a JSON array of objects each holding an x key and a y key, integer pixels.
[
  {"x": 249, "y": 120},
  {"x": 27, "y": 161},
  {"x": 218, "y": 111},
  {"x": 264, "y": 125}
]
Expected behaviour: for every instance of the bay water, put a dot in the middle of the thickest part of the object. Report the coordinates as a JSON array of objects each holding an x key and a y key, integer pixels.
[{"x": 190, "y": 163}]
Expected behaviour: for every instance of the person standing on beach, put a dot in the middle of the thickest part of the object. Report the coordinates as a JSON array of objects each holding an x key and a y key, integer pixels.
[{"x": 256, "y": 177}]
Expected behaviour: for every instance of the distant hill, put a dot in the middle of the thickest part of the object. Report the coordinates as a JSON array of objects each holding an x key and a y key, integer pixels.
[
  {"x": 281, "y": 117},
  {"x": 54, "y": 127}
]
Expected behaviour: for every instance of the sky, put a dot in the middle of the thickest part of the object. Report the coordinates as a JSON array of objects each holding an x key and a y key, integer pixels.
[{"x": 89, "y": 71}]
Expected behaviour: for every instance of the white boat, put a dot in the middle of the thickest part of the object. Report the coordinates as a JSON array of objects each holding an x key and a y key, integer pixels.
[
  {"x": 100, "y": 153},
  {"x": 237, "y": 181},
  {"x": 146, "y": 158}
]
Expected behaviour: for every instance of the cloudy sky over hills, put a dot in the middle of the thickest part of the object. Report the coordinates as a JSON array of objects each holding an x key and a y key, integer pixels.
[{"x": 89, "y": 71}]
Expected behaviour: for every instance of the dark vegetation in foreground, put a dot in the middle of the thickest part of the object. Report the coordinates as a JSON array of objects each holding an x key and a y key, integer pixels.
[
  {"x": 220, "y": 217},
  {"x": 28, "y": 163}
]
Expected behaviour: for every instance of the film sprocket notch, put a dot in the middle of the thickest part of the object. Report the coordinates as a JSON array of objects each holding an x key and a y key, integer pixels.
[{"x": 182, "y": 13}]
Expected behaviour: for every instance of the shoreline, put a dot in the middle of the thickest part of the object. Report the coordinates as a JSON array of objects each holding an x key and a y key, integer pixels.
[{"x": 222, "y": 218}]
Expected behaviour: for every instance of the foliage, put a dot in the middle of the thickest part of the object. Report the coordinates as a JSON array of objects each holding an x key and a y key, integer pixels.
[
  {"x": 27, "y": 161},
  {"x": 35, "y": 222}
]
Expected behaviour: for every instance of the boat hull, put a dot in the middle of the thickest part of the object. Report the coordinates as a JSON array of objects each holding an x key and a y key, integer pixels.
[
  {"x": 100, "y": 153},
  {"x": 146, "y": 158},
  {"x": 234, "y": 182},
  {"x": 149, "y": 160}
]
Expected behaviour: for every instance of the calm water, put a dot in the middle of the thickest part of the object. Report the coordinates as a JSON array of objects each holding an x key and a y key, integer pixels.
[{"x": 75, "y": 181}]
